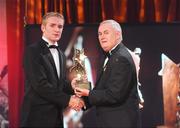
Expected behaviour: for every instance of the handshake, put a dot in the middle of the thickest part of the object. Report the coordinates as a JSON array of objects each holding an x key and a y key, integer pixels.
[{"x": 76, "y": 102}]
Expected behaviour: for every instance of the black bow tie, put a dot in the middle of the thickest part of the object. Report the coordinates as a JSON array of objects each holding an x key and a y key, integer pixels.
[{"x": 53, "y": 46}]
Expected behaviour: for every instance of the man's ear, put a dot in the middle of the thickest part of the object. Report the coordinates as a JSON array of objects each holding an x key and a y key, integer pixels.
[
  {"x": 42, "y": 28},
  {"x": 118, "y": 33}
]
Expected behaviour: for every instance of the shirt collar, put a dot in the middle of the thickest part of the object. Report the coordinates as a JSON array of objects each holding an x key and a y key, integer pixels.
[
  {"x": 110, "y": 52},
  {"x": 48, "y": 42}
]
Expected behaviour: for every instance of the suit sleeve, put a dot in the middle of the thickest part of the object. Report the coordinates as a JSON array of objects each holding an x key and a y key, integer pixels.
[
  {"x": 118, "y": 85},
  {"x": 37, "y": 79},
  {"x": 68, "y": 88}
]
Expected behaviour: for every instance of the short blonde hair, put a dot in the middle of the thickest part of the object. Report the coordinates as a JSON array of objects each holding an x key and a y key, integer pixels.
[{"x": 51, "y": 14}]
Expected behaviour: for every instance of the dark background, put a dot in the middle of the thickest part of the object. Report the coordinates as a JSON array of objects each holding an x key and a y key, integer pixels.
[{"x": 153, "y": 39}]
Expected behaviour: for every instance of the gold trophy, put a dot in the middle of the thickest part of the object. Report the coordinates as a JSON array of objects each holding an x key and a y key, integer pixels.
[{"x": 79, "y": 70}]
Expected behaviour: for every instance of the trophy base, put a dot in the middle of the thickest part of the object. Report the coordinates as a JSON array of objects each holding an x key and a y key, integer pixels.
[{"x": 84, "y": 85}]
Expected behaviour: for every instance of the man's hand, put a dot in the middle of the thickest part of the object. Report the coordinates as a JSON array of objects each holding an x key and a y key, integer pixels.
[
  {"x": 76, "y": 103},
  {"x": 74, "y": 82},
  {"x": 81, "y": 92}
]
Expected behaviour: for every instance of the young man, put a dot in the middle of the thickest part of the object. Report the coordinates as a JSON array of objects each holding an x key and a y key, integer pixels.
[
  {"x": 115, "y": 94},
  {"x": 47, "y": 92}
]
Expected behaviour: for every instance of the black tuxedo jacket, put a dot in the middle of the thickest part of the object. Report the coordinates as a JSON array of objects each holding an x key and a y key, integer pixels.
[
  {"x": 115, "y": 94},
  {"x": 46, "y": 95}
]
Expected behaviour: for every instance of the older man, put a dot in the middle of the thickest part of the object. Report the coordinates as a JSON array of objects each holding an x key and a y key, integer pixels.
[{"x": 115, "y": 95}]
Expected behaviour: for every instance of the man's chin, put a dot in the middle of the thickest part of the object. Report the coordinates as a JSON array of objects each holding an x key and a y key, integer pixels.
[
  {"x": 105, "y": 49},
  {"x": 56, "y": 39}
]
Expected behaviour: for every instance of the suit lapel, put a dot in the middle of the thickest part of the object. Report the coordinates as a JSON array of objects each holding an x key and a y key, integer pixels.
[
  {"x": 100, "y": 72},
  {"x": 47, "y": 55},
  {"x": 104, "y": 68},
  {"x": 51, "y": 60}
]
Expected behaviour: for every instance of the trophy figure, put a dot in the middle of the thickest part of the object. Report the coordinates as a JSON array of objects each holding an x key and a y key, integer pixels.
[{"x": 79, "y": 70}]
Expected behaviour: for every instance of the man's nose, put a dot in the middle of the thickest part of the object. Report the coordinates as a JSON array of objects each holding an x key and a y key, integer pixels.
[
  {"x": 102, "y": 37},
  {"x": 57, "y": 29}
]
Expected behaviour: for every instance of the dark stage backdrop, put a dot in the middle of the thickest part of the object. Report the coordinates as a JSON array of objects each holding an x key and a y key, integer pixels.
[{"x": 153, "y": 39}]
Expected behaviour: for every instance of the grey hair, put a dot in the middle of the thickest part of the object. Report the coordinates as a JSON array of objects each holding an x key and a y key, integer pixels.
[{"x": 114, "y": 24}]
